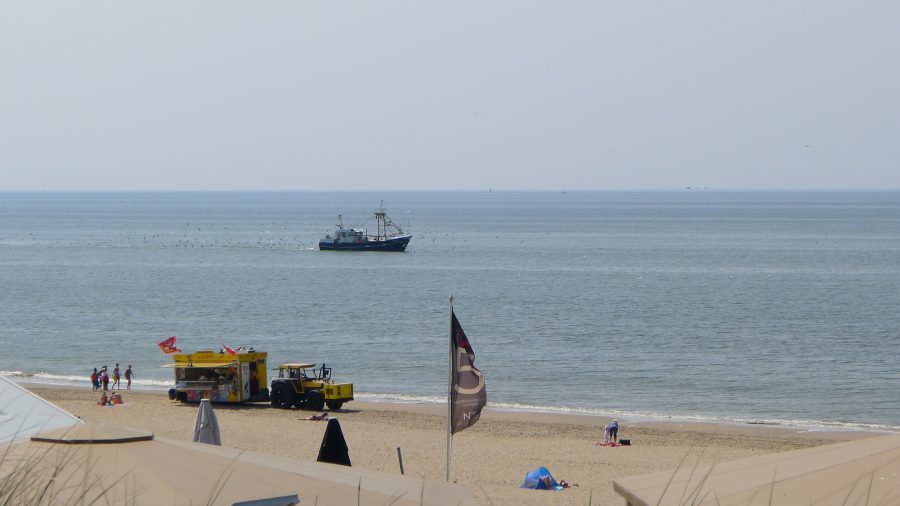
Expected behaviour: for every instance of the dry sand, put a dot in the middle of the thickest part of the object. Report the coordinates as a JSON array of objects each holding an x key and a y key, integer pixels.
[{"x": 490, "y": 458}]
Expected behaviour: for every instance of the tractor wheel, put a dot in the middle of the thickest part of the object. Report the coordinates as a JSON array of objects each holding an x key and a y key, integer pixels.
[
  {"x": 280, "y": 397},
  {"x": 315, "y": 400},
  {"x": 334, "y": 405},
  {"x": 275, "y": 398}
]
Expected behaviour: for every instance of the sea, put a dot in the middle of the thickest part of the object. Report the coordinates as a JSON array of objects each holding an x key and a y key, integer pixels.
[{"x": 770, "y": 308}]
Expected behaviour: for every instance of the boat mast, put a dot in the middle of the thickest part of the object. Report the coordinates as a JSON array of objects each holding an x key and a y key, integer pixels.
[
  {"x": 379, "y": 220},
  {"x": 383, "y": 222}
]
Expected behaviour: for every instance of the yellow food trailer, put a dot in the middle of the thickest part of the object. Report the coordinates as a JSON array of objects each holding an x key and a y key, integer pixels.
[{"x": 220, "y": 377}]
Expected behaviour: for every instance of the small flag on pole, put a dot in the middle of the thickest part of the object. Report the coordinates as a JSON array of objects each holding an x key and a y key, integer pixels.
[
  {"x": 467, "y": 393},
  {"x": 168, "y": 345}
]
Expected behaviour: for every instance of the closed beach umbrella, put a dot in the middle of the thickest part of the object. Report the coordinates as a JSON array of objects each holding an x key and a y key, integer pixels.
[
  {"x": 206, "y": 430},
  {"x": 334, "y": 448}
]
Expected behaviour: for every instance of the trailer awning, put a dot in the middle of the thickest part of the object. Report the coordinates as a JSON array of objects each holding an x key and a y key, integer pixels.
[{"x": 207, "y": 365}]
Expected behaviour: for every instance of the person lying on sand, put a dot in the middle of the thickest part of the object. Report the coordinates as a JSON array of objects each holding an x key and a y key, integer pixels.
[
  {"x": 323, "y": 416},
  {"x": 561, "y": 484}
]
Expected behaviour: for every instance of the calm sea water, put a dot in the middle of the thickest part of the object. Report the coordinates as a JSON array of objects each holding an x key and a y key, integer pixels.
[{"x": 763, "y": 307}]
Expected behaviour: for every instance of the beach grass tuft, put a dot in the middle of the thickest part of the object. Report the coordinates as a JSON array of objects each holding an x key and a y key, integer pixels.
[{"x": 38, "y": 476}]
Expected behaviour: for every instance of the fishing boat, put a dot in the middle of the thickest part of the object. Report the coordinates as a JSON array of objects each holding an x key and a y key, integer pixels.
[{"x": 389, "y": 236}]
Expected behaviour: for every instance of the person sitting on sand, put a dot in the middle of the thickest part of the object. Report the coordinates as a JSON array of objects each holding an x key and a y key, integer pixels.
[
  {"x": 104, "y": 400},
  {"x": 318, "y": 418},
  {"x": 115, "y": 398}
]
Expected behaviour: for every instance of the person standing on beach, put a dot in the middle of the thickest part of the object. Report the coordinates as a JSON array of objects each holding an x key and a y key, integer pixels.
[
  {"x": 116, "y": 376},
  {"x": 129, "y": 375},
  {"x": 104, "y": 378},
  {"x": 613, "y": 428},
  {"x": 95, "y": 383}
]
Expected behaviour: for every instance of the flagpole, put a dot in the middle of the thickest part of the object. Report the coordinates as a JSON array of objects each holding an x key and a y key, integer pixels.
[{"x": 449, "y": 394}]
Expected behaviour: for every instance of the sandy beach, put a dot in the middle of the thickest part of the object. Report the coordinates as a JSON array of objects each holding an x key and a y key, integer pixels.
[{"x": 490, "y": 458}]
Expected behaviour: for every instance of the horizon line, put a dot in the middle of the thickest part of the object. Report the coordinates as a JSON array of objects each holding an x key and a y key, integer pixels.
[{"x": 488, "y": 190}]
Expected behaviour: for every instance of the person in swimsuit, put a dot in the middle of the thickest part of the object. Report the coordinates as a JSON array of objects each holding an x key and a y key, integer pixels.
[
  {"x": 129, "y": 375},
  {"x": 116, "y": 377}
]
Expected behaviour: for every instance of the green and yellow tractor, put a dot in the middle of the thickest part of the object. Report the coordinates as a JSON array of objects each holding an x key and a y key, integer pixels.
[{"x": 303, "y": 386}]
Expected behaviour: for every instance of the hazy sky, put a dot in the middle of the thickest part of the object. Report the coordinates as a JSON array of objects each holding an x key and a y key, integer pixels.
[{"x": 391, "y": 95}]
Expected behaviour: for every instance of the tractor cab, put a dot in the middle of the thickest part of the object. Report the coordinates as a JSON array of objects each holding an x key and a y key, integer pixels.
[{"x": 304, "y": 371}]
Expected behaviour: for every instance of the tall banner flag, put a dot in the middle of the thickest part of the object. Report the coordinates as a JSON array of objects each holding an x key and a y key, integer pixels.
[
  {"x": 168, "y": 345},
  {"x": 467, "y": 393}
]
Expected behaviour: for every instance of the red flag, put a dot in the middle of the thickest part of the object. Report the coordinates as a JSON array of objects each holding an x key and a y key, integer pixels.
[
  {"x": 468, "y": 394},
  {"x": 168, "y": 345},
  {"x": 228, "y": 349}
]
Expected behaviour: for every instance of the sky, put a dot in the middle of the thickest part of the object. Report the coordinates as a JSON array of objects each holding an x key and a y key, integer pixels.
[{"x": 463, "y": 95}]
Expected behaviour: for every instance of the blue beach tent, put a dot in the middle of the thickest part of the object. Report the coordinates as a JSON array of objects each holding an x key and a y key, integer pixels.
[{"x": 537, "y": 479}]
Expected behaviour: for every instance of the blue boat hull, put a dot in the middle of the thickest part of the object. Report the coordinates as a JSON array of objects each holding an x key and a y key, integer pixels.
[{"x": 396, "y": 244}]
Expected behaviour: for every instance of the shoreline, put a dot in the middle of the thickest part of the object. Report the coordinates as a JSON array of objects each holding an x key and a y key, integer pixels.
[
  {"x": 812, "y": 426},
  {"x": 489, "y": 458}
]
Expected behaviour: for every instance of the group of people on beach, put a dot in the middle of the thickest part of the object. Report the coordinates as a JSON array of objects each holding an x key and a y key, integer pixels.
[{"x": 100, "y": 380}]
